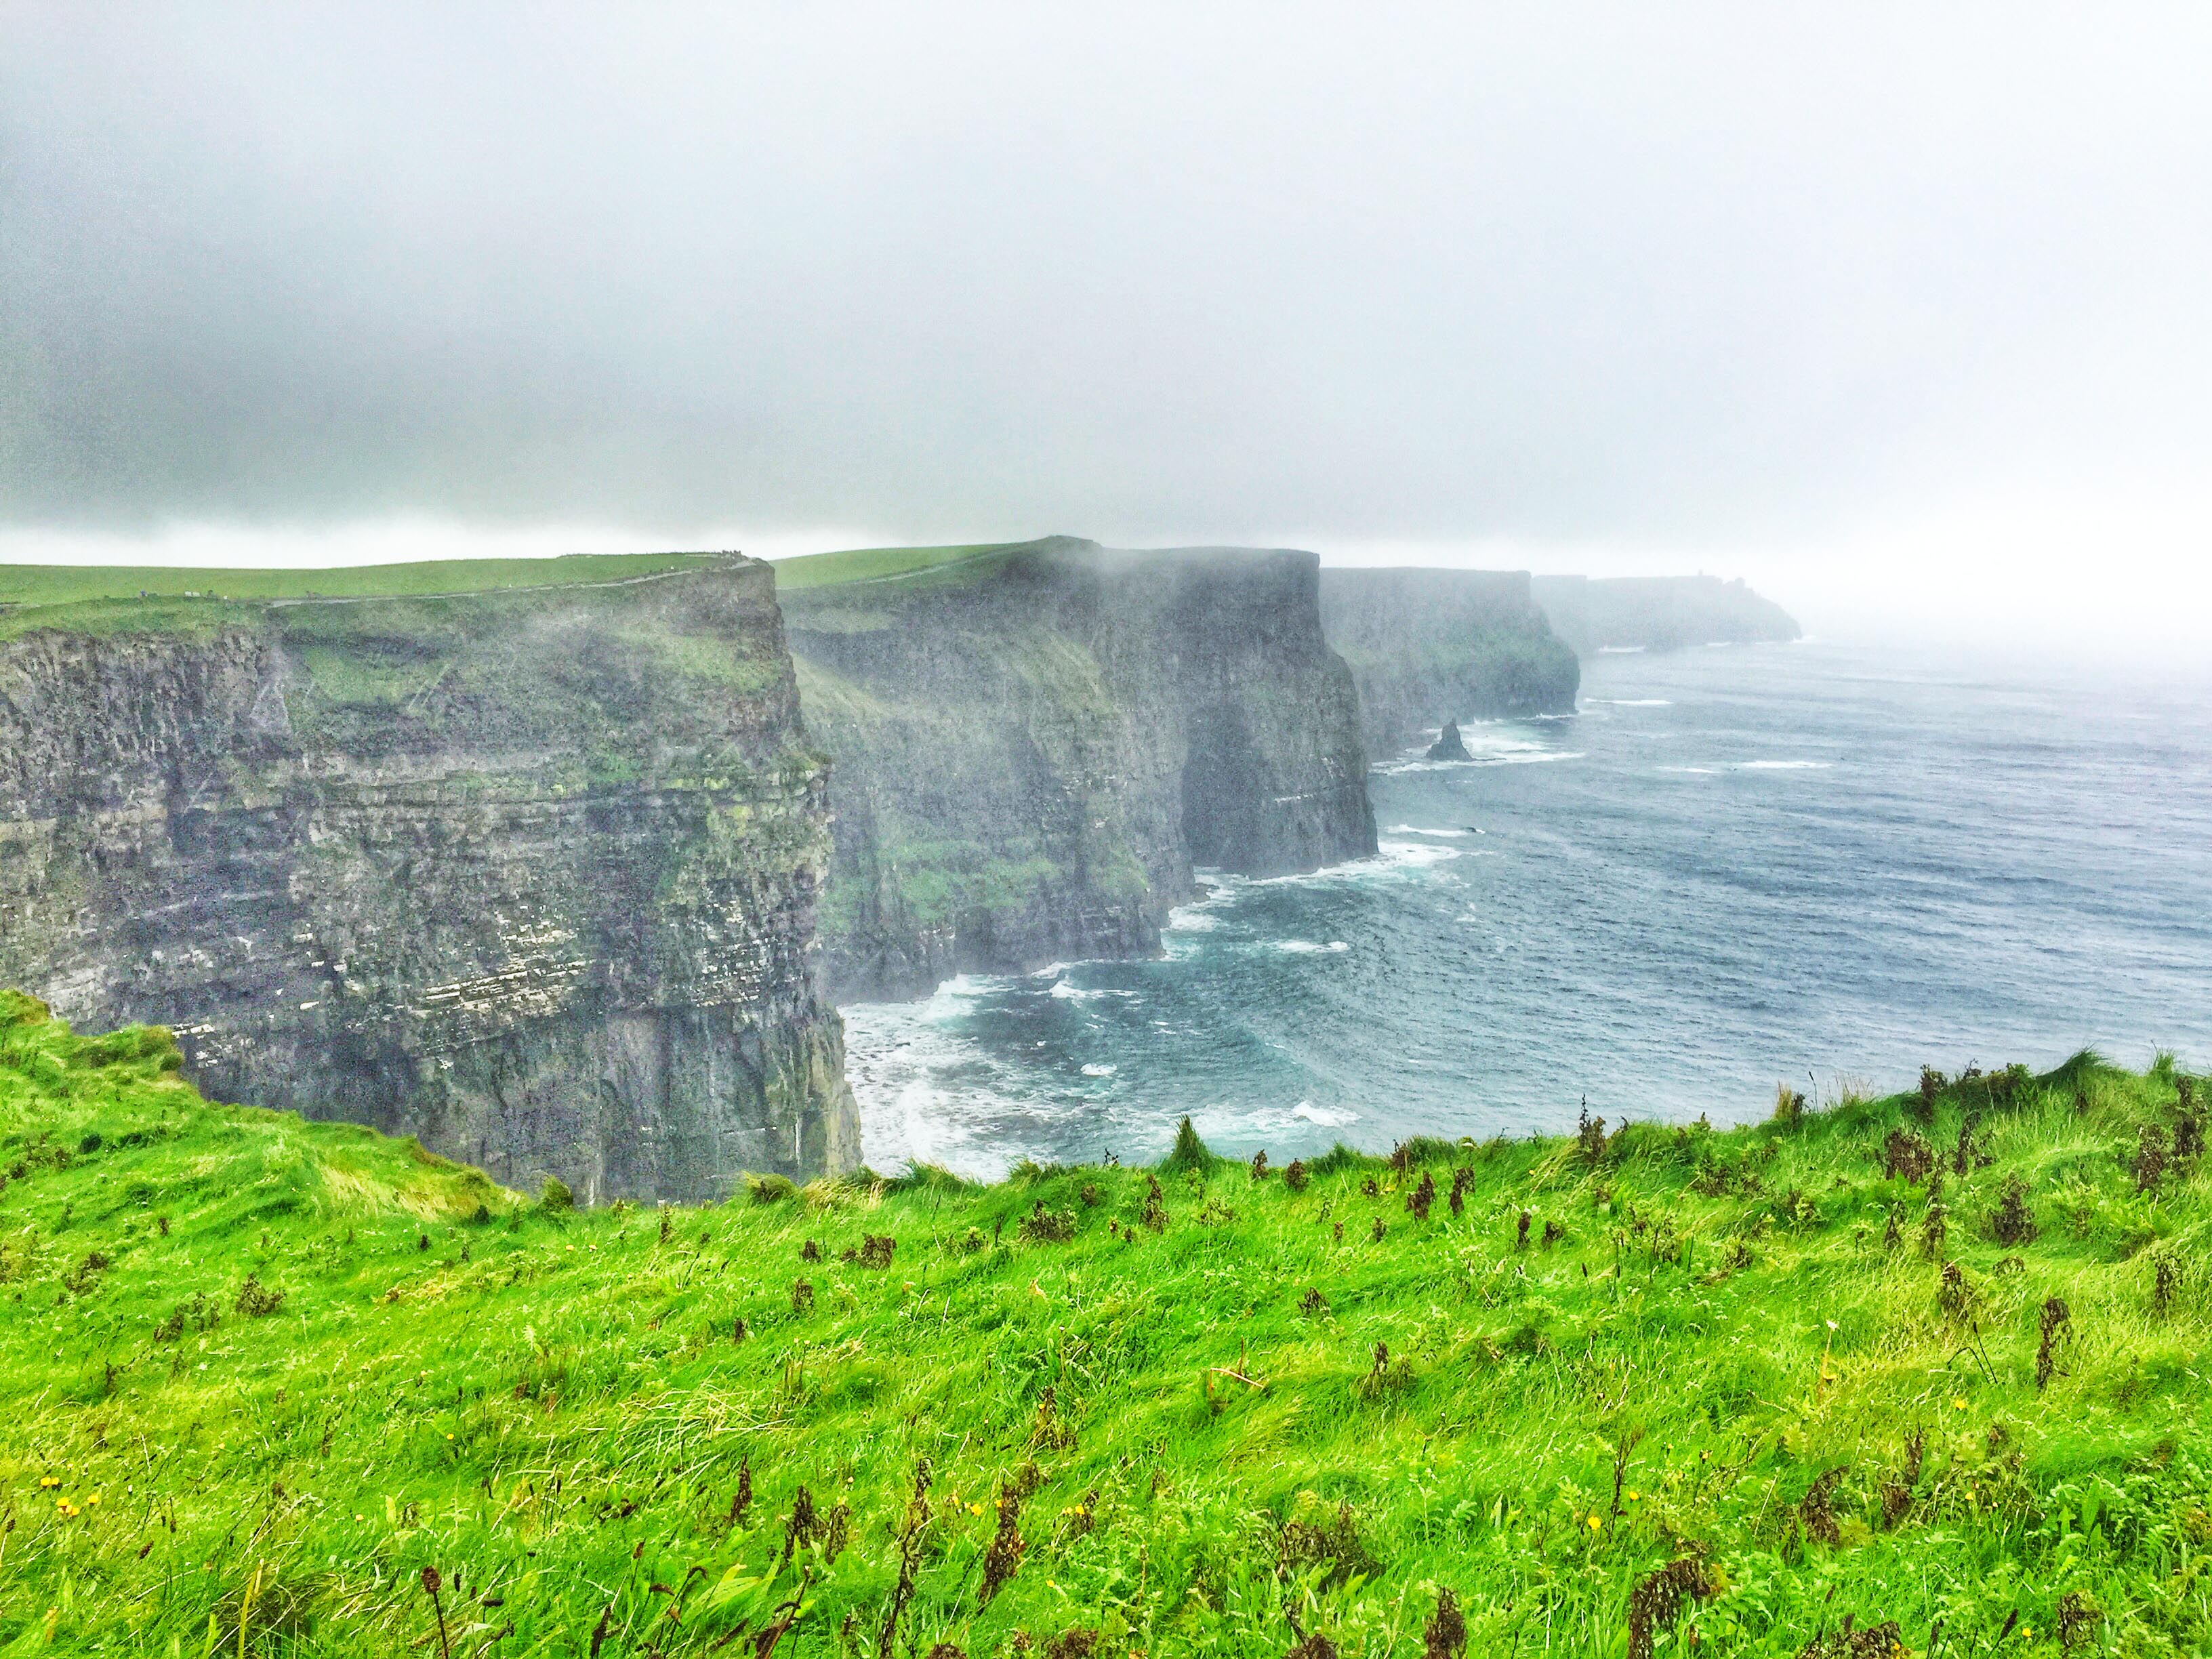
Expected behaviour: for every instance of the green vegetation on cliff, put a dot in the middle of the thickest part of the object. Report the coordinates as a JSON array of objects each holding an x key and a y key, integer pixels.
[
  {"x": 1931, "y": 1358},
  {"x": 529, "y": 873},
  {"x": 867, "y": 564},
  {"x": 1035, "y": 745},
  {"x": 109, "y": 599}
]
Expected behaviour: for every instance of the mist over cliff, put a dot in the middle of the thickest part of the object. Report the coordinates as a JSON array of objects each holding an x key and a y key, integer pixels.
[
  {"x": 1428, "y": 646},
  {"x": 1036, "y": 746},
  {"x": 1659, "y": 613}
]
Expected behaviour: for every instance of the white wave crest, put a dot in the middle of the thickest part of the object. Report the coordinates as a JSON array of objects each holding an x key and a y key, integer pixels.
[
  {"x": 1486, "y": 745},
  {"x": 1270, "y": 1120}
]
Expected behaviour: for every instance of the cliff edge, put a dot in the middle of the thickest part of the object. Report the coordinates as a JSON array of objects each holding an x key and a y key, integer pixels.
[
  {"x": 530, "y": 874},
  {"x": 1037, "y": 745},
  {"x": 1429, "y": 646},
  {"x": 1659, "y": 613}
]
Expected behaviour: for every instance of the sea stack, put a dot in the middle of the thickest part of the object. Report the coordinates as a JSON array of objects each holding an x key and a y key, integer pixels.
[{"x": 1448, "y": 747}]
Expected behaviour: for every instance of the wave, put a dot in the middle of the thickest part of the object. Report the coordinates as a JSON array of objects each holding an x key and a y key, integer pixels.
[
  {"x": 1064, "y": 992},
  {"x": 1095, "y": 1068},
  {"x": 1630, "y": 703},
  {"x": 894, "y": 1055},
  {"x": 1619, "y": 650},
  {"x": 1415, "y": 829},
  {"x": 1783, "y": 766},
  {"x": 1391, "y": 860},
  {"x": 1523, "y": 755},
  {"x": 1306, "y": 947},
  {"x": 1275, "y": 1119},
  {"x": 1414, "y": 854}
]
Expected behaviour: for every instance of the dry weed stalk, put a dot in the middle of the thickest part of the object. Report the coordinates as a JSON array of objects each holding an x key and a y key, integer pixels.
[
  {"x": 1444, "y": 1637},
  {"x": 2057, "y": 1323},
  {"x": 911, "y": 1526},
  {"x": 1004, "y": 1558}
]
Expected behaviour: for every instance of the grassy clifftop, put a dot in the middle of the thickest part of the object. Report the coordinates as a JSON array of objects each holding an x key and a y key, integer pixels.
[
  {"x": 867, "y": 564},
  {"x": 107, "y": 599},
  {"x": 1900, "y": 1361}
]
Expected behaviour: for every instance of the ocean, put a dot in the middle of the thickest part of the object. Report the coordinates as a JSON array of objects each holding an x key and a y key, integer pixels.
[{"x": 1733, "y": 868}]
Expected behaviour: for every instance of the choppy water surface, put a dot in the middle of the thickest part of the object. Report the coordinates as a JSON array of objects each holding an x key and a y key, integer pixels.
[{"x": 1733, "y": 866}]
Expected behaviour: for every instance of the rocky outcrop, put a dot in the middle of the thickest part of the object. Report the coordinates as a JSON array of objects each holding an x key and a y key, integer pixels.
[
  {"x": 1429, "y": 646},
  {"x": 532, "y": 875},
  {"x": 1036, "y": 747},
  {"x": 1448, "y": 746},
  {"x": 1659, "y": 613}
]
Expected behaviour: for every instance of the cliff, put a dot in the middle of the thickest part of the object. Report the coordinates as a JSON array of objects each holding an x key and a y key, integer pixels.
[
  {"x": 530, "y": 874},
  {"x": 1429, "y": 646},
  {"x": 1037, "y": 745},
  {"x": 1659, "y": 613}
]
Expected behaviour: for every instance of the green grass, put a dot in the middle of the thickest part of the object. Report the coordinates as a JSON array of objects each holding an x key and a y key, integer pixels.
[
  {"x": 866, "y": 564},
  {"x": 1214, "y": 1456},
  {"x": 108, "y": 598}
]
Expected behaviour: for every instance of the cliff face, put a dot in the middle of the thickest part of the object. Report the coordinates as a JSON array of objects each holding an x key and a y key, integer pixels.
[
  {"x": 1659, "y": 613},
  {"x": 532, "y": 875},
  {"x": 1429, "y": 646},
  {"x": 1036, "y": 746}
]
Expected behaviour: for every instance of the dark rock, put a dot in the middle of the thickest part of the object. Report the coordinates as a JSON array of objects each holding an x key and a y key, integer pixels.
[{"x": 1447, "y": 746}]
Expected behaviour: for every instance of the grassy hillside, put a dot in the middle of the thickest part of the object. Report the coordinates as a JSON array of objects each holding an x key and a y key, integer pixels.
[
  {"x": 864, "y": 564},
  {"x": 105, "y": 597},
  {"x": 1656, "y": 1390}
]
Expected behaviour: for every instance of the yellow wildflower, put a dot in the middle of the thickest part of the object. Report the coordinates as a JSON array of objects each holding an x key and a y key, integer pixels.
[{"x": 1596, "y": 1524}]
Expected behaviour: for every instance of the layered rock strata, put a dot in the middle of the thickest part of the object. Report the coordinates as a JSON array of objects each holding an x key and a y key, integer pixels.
[
  {"x": 1037, "y": 747},
  {"x": 532, "y": 875}
]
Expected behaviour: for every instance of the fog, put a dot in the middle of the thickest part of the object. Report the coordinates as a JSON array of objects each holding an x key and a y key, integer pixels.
[{"x": 1899, "y": 311}]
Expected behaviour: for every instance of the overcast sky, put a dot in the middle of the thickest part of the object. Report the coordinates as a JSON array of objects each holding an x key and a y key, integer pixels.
[{"x": 1833, "y": 296}]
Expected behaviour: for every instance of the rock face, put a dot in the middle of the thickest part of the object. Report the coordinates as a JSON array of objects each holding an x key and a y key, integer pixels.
[
  {"x": 532, "y": 875},
  {"x": 1659, "y": 613},
  {"x": 1036, "y": 747},
  {"x": 1448, "y": 746},
  {"x": 1429, "y": 646}
]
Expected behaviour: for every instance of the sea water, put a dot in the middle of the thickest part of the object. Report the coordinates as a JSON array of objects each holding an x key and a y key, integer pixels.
[{"x": 1731, "y": 869}]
